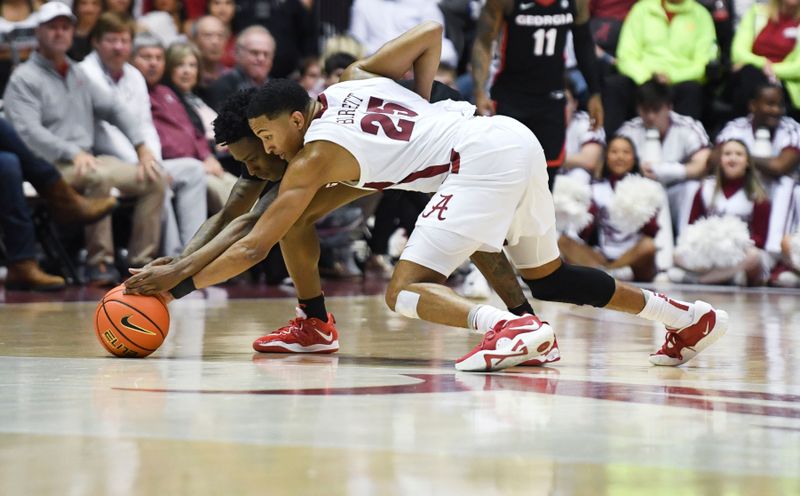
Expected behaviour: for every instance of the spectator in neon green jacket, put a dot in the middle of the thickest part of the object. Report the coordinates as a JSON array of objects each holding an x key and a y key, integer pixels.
[
  {"x": 672, "y": 41},
  {"x": 765, "y": 50}
]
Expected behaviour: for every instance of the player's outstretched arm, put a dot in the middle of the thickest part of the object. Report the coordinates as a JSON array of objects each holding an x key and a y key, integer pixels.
[
  {"x": 240, "y": 201},
  {"x": 243, "y": 195},
  {"x": 309, "y": 171},
  {"x": 157, "y": 279},
  {"x": 419, "y": 48}
]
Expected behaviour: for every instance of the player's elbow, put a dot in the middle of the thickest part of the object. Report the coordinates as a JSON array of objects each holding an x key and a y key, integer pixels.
[{"x": 251, "y": 251}]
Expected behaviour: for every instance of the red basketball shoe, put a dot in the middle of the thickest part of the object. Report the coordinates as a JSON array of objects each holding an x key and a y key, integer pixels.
[
  {"x": 685, "y": 343},
  {"x": 509, "y": 343},
  {"x": 302, "y": 335},
  {"x": 550, "y": 356}
]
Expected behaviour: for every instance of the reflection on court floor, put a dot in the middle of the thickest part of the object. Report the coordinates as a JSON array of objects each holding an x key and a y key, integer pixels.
[{"x": 389, "y": 414}]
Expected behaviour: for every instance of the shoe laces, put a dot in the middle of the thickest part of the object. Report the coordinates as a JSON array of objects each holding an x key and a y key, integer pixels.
[
  {"x": 674, "y": 341},
  {"x": 488, "y": 336},
  {"x": 295, "y": 325},
  {"x": 491, "y": 333}
]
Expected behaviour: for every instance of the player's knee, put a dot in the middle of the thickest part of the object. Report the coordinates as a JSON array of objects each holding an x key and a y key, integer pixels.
[
  {"x": 399, "y": 299},
  {"x": 574, "y": 284},
  {"x": 392, "y": 290}
]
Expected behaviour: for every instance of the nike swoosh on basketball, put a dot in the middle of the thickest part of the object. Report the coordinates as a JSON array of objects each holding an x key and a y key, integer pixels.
[
  {"x": 327, "y": 337},
  {"x": 526, "y": 6},
  {"x": 125, "y": 321}
]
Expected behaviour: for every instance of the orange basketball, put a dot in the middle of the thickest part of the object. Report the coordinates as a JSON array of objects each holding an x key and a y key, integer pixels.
[{"x": 130, "y": 326}]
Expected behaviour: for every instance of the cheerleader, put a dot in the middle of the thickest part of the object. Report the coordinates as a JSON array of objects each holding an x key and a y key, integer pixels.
[
  {"x": 712, "y": 254},
  {"x": 626, "y": 254}
]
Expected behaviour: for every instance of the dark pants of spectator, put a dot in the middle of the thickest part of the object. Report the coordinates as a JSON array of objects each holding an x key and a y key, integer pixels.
[
  {"x": 396, "y": 209},
  {"x": 744, "y": 83},
  {"x": 18, "y": 164},
  {"x": 619, "y": 101}
]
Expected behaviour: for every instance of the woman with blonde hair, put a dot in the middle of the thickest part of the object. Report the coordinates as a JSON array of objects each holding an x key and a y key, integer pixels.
[
  {"x": 733, "y": 192},
  {"x": 181, "y": 74},
  {"x": 765, "y": 50}
]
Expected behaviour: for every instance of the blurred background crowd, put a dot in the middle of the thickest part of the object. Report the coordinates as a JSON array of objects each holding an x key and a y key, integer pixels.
[{"x": 108, "y": 159}]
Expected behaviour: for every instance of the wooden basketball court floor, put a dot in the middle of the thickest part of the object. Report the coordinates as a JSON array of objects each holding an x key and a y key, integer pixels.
[{"x": 389, "y": 414}]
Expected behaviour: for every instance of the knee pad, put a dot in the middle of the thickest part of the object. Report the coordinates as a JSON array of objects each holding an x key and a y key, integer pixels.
[{"x": 576, "y": 285}]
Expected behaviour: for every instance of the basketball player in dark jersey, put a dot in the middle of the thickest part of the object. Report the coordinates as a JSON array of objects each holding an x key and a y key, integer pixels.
[{"x": 529, "y": 85}]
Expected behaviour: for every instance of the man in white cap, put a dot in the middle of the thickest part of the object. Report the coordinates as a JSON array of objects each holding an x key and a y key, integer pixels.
[{"x": 52, "y": 105}]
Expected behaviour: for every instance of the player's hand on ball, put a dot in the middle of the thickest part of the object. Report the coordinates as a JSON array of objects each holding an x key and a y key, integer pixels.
[
  {"x": 155, "y": 263},
  {"x": 154, "y": 280}
]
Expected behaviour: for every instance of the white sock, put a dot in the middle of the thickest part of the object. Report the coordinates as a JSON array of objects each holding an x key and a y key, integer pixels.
[
  {"x": 484, "y": 317},
  {"x": 670, "y": 312}
]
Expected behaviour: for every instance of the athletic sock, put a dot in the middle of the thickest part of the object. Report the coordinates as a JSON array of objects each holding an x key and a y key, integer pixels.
[
  {"x": 523, "y": 309},
  {"x": 314, "y": 307},
  {"x": 481, "y": 318},
  {"x": 672, "y": 313}
]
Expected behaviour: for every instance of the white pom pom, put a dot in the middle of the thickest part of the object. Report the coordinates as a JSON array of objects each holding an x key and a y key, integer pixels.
[
  {"x": 713, "y": 242},
  {"x": 636, "y": 200},
  {"x": 794, "y": 249},
  {"x": 571, "y": 199}
]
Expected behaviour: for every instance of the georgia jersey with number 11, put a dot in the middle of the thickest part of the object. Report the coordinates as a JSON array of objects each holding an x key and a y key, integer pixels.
[
  {"x": 400, "y": 140},
  {"x": 531, "y": 48}
]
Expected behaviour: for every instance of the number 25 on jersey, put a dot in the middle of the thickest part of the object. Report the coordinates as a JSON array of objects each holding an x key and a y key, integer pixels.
[{"x": 380, "y": 117}]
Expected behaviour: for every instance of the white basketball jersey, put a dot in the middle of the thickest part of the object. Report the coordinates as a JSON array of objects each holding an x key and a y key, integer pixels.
[{"x": 399, "y": 139}]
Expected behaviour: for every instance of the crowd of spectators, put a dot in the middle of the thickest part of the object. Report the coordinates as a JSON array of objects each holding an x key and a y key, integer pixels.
[{"x": 103, "y": 96}]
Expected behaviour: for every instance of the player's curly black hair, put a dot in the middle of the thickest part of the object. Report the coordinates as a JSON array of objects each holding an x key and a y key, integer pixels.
[
  {"x": 276, "y": 97},
  {"x": 231, "y": 123}
]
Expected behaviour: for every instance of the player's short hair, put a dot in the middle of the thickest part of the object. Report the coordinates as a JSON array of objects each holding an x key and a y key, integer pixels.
[
  {"x": 276, "y": 97},
  {"x": 653, "y": 95},
  {"x": 338, "y": 60},
  {"x": 231, "y": 123}
]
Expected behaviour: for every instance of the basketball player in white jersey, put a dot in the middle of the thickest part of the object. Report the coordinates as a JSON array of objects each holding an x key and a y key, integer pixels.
[{"x": 490, "y": 179}]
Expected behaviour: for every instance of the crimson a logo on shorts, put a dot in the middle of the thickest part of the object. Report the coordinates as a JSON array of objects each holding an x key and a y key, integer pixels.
[{"x": 440, "y": 208}]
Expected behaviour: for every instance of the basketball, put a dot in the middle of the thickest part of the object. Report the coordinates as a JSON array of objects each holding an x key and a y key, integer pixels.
[{"x": 130, "y": 326}]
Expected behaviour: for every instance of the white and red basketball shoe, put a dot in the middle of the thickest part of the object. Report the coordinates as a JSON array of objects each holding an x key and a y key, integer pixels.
[
  {"x": 549, "y": 356},
  {"x": 302, "y": 335},
  {"x": 685, "y": 343},
  {"x": 509, "y": 343}
]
